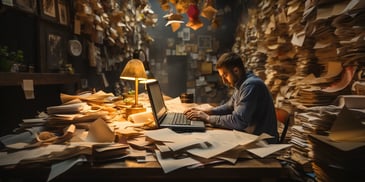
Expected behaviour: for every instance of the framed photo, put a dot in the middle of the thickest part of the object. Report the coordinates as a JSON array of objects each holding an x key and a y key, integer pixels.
[
  {"x": 205, "y": 42},
  {"x": 48, "y": 9},
  {"x": 26, "y": 5},
  {"x": 63, "y": 14},
  {"x": 56, "y": 55}
]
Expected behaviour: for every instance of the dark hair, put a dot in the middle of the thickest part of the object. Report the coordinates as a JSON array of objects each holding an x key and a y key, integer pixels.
[{"x": 230, "y": 60}]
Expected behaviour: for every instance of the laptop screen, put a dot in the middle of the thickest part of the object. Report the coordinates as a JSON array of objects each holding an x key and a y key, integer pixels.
[{"x": 156, "y": 100}]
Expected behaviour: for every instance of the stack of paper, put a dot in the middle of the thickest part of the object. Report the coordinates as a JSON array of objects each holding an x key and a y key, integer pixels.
[
  {"x": 337, "y": 161},
  {"x": 65, "y": 114},
  {"x": 338, "y": 121},
  {"x": 178, "y": 150},
  {"x": 83, "y": 108}
]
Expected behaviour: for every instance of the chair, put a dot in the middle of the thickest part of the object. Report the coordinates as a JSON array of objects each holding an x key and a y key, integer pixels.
[{"x": 282, "y": 116}]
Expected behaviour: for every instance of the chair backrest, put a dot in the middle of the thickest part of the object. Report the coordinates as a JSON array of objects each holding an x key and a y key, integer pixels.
[{"x": 283, "y": 116}]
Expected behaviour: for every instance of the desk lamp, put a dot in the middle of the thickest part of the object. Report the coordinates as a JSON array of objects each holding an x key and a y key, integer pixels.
[
  {"x": 134, "y": 70},
  {"x": 150, "y": 76}
]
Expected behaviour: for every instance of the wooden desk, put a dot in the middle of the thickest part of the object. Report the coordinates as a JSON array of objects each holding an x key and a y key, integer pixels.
[{"x": 252, "y": 170}]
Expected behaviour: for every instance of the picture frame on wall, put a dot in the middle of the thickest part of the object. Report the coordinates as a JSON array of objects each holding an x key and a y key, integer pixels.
[
  {"x": 63, "y": 14},
  {"x": 48, "y": 9},
  {"x": 26, "y": 5},
  {"x": 56, "y": 55}
]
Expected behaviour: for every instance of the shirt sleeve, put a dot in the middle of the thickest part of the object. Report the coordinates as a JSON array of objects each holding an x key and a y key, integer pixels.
[{"x": 238, "y": 112}]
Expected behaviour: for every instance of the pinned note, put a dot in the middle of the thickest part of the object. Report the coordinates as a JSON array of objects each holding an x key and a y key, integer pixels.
[{"x": 28, "y": 89}]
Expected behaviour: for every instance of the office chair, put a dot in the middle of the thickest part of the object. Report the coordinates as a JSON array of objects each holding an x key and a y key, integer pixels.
[{"x": 283, "y": 116}]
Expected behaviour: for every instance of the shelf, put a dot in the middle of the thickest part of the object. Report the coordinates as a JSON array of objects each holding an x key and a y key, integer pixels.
[{"x": 13, "y": 79}]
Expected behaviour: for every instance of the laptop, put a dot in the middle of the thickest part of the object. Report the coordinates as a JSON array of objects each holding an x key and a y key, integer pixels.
[{"x": 166, "y": 119}]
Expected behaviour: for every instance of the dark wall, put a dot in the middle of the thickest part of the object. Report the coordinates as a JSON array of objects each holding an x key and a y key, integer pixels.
[{"x": 18, "y": 32}]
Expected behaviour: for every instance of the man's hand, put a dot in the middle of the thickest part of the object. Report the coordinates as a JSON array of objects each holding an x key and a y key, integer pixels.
[{"x": 196, "y": 114}]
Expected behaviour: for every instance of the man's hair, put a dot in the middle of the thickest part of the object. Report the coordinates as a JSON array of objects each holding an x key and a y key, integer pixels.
[{"x": 230, "y": 60}]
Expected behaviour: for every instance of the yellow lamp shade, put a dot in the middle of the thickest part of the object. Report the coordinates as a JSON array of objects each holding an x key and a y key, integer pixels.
[{"x": 134, "y": 69}]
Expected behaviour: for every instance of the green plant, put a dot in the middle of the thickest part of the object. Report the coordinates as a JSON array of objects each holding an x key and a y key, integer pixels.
[
  {"x": 17, "y": 56},
  {"x": 8, "y": 58},
  {"x": 4, "y": 52}
]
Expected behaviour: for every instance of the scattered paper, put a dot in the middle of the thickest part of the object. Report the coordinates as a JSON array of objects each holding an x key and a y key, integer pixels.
[
  {"x": 99, "y": 131},
  {"x": 267, "y": 150},
  {"x": 171, "y": 164},
  {"x": 63, "y": 166}
]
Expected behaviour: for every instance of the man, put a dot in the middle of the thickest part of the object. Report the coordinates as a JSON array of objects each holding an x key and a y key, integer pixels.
[{"x": 250, "y": 108}]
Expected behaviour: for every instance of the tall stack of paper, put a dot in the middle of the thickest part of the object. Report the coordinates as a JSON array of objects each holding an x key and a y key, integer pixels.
[
  {"x": 313, "y": 120},
  {"x": 327, "y": 48},
  {"x": 337, "y": 161}
]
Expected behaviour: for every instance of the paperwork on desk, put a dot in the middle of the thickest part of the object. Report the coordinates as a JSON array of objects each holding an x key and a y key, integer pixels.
[
  {"x": 63, "y": 166},
  {"x": 185, "y": 149},
  {"x": 118, "y": 140}
]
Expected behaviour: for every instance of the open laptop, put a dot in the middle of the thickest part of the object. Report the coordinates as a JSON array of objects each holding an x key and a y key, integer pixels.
[{"x": 166, "y": 119}]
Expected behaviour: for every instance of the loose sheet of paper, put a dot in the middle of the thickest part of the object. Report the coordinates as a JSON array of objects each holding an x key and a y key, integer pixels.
[{"x": 63, "y": 166}]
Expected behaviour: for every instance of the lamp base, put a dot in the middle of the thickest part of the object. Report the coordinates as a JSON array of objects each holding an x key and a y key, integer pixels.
[{"x": 134, "y": 109}]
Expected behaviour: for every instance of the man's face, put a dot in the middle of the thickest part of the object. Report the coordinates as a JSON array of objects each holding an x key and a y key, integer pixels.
[{"x": 229, "y": 77}]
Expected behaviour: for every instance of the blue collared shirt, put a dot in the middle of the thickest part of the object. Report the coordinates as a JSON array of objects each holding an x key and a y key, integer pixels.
[{"x": 250, "y": 107}]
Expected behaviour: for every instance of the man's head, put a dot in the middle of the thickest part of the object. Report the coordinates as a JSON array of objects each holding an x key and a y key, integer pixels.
[{"x": 230, "y": 68}]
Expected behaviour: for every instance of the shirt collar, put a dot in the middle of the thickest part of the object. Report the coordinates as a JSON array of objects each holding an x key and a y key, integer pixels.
[{"x": 238, "y": 84}]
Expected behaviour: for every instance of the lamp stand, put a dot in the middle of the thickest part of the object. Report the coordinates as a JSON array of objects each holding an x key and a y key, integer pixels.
[{"x": 135, "y": 108}]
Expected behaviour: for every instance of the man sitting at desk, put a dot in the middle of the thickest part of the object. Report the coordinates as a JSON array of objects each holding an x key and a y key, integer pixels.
[{"x": 250, "y": 108}]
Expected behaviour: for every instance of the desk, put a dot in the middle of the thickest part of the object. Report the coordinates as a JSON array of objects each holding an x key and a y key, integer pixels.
[{"x": 255, "y": 170}]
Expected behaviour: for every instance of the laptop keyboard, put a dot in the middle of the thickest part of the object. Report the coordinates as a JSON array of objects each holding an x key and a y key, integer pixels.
[{"x": 180, "y": 119}]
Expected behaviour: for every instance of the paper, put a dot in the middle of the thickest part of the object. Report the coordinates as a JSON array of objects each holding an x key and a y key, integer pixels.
[
  {"x": 219, "y": 141},
  {"x": 163, "y": 134},
  {"x": 16, "y": 157},
  {"x": 346, "y": 78},
  {"x": 143, "y": 117},
  {"x": 139, "y": 142},
  {"x": 171, "y": 164},
  {"x": 99, "y": 131},
  {"x": 349, "y": 126},
  {"x": 351, "y": 101},
  {"x": 63, "y": 166},
  {"x": 270, "y": 149},
  {"x": 324, "y": 12},
  {"x": 68, "y": 108},
  {"x": 23, "y": 137},
  {"x": 28, "y": 89},
  {"x": 298, "y": 38},
  {"x": 342, "y": 146}
]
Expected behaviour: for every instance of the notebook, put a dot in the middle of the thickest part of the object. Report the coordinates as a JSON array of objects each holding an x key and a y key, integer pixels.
[{"x": 165, "y": 118}]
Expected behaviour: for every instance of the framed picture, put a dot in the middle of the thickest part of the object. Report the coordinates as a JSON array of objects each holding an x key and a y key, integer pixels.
[
  {"x": 48, "y": 9},
  {"x": 63, "y": 15},
  {"x": 204, "y": 41},
  {"x": 56, "y": 55},
  {"x": 26, "y": 5}
]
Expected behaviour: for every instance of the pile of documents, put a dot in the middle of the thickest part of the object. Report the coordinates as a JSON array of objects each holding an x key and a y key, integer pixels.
[
  {"x": 326, "y": 50},
  {"x": 339, "y": 122},
  {"x": 313, "y": 120},
  {"x": 337, "y": 161},
  {"x": 121, "y": 140},
  {"x": 82, "y": 108},
  {"x": 176, "y": 150},
  {"x": 340, "y": 156}
]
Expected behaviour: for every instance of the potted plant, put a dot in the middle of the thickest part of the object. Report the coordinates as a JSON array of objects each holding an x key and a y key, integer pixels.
[{"x": 9, "y": 58}]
